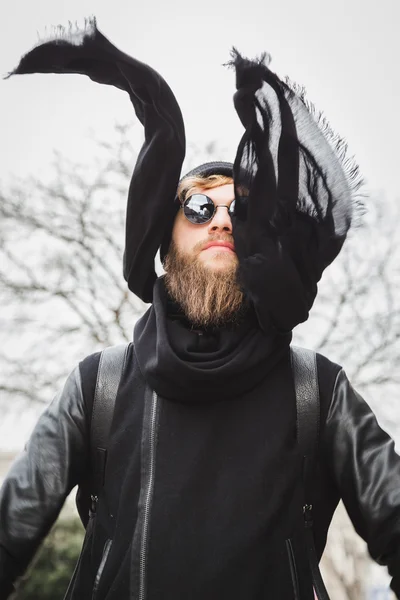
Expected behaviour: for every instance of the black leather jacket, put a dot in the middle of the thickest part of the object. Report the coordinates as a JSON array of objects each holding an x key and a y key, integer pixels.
[{"x": 360, "y": 459}]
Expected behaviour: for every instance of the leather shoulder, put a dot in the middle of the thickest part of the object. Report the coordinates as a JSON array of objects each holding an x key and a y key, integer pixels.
[
  {"x": 88, "y": 369},
  {"x": 327, "y": 375}
]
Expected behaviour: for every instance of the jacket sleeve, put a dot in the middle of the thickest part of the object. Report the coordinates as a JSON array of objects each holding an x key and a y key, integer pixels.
[
  {"x": 366, "y": 469},
  {"x": 40, "y": 479}
]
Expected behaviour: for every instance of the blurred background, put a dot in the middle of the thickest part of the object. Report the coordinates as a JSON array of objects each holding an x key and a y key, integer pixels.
[{"x": 67, "y": 150}]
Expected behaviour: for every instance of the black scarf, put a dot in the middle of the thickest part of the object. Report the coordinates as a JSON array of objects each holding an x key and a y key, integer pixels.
[
  {"x": 300, "y": 186},
  {"x": 199, "y": 366}
]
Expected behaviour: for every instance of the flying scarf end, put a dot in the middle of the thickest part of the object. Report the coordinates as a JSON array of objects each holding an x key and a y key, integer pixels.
[
  {"x": 73, "y": 34},
  {"x": 351, "y": 170},
  {"x": 249, "y": 73},
  {"x": 238, "y": 60}
]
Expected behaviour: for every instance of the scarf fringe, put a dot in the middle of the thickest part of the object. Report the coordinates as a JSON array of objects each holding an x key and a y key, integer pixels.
[
  {"x": 351, "y": 168},
  {"x": 73, "y": 34},
  {"x": 237, "y": 60}
]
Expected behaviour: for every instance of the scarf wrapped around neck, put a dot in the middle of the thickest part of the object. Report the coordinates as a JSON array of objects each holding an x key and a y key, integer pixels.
[{"x": 296, "y": 190}]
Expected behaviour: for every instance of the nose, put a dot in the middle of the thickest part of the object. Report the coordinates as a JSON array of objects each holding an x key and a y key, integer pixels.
[{"x": 221, "y": 220}]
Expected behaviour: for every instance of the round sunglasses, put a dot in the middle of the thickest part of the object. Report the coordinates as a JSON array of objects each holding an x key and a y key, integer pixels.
[{"x": 200, "y": 209}]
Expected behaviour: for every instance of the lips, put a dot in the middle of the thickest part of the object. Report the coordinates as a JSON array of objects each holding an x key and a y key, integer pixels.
[{"x": 220, "y": 244}]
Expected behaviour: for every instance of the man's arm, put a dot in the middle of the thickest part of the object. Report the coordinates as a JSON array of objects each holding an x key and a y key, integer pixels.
[
  {"x": 366, "y": 469},
  {"x": 38, "y": 482}
]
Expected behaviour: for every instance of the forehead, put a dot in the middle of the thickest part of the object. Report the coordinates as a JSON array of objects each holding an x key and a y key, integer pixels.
[{"x": 222, "y": 193}]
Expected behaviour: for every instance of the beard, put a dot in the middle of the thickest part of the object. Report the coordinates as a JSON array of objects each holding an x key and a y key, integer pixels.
[{"x": 208, "y": 297}]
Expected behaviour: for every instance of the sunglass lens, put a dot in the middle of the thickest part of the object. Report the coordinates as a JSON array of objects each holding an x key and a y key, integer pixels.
[{"x": 198, "y": 209}]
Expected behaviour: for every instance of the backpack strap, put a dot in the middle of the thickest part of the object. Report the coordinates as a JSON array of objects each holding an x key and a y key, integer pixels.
[
  {"x": 111, "y": 366},
  {"x": 305, "y": 375},
  {"x": 109, "y": 372}
]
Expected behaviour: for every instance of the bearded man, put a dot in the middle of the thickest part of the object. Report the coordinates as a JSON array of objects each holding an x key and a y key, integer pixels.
[
  {"x": 203, "y": 495},
  {"x": 201, "y": 264}
]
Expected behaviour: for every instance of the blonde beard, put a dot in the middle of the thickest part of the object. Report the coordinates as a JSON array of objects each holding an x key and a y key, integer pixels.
[{"x": 208, "y": 297}]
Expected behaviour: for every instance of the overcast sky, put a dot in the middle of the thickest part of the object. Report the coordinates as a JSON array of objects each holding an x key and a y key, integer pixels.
[{"x": 346, "y": 53}]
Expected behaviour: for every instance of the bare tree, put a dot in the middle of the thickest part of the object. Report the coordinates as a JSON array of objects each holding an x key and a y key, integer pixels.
[
  {"x": 61, "y": 283},
  {"x": 356, "y": 318}
]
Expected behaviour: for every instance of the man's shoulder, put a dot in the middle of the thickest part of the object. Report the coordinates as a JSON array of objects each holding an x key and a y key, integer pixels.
[
  {"x": 326, "y": 367},
  {"x": 89, "y": 367},
  {"x": 327, "y": 371},
  {"x": 90, "y": 363}
]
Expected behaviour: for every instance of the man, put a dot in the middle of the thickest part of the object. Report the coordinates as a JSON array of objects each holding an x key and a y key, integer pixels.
[{"x": 203, "y": 489}]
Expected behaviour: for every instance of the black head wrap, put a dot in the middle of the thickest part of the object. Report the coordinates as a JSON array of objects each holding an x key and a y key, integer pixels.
[{"x": 301, "y": 185}]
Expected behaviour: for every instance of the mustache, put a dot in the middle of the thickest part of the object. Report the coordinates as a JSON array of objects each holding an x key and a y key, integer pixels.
[{"x": 213, "y": 238}]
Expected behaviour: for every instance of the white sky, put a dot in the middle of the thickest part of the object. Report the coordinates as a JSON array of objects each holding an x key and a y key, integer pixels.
[{"x": 346, "y": 53}]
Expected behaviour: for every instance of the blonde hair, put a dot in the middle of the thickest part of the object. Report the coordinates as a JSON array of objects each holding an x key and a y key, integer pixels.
[{"x": 188, "y": 184}]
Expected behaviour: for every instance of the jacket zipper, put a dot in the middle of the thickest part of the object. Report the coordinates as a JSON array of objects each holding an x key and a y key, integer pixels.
[
  {"x": 106, "y": 551},
  {"x": 148, "y": 499},
  {"x": 293, "y": 569}
]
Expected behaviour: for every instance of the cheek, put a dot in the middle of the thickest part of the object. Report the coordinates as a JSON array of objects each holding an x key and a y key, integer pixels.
[{"x": 185, "y": 235}]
